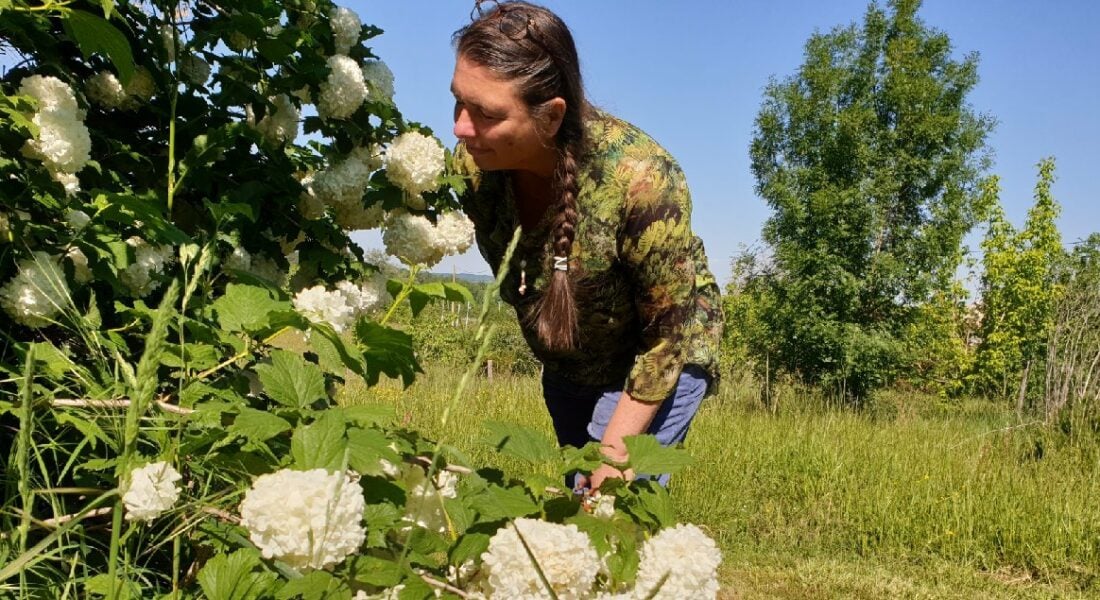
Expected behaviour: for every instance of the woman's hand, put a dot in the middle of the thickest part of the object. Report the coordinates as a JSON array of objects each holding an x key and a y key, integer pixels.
[{"x": 615, "y": 454}]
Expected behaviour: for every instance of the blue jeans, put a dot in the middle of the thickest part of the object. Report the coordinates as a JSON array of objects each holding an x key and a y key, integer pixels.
[{"x": 581, "y": 413}]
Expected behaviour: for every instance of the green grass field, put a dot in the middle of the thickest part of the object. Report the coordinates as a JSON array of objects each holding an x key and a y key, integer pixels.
[{"x": 915, "y": 499}]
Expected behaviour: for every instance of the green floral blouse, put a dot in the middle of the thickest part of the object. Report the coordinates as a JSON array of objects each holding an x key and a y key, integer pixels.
[{"x": 647, "y": 303}]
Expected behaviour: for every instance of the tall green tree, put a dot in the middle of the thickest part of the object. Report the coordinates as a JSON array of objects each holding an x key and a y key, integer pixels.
[
  {"x": 1019, "y": 290},
  {"x": 873, "y": 163}
]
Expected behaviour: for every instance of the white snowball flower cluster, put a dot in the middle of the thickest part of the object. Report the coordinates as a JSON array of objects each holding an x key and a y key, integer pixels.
[
  {"x": 379, "y": 80},
  {"x": 424, "y": 505},
  {"x": 151, "y": 491},
  {"x": 81, "y": 271},
  {"x": 393, "y": 593},
  {"x": 257, "y": 264},
  {"x": 346, "y": 28},
  {"x": 414, "y": 240},
  {"x": 63, "y": 143},
  {"x": 414, "y": 162},
  {"x": 605, "y": 507},
  {"x": 33, "y": 296},
  {"x": 316, "y": 526},
  {"x": 193, "y": 69},
  {"x": 688, "y": 556},
  {"x": 77, "y": 219},
  {"x": 280, "y": 124},
  {"x": 344, "y": 90},
  {"x": 564, "y": 553},
  {"x": 105, "y": 89},
  {"x": 149, "y": 260},
  {"x": 341, "y": 307},
  {"x": 342, "y": 187}
]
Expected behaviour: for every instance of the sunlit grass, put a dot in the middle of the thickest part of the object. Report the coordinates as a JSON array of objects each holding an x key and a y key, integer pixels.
[{"x": 913, "y": 499}]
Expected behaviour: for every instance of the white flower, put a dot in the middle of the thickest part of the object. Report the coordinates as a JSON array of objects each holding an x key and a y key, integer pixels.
[
  {"x": 238, "y": 260},
  {"x": 149, "y": 261},
  {"x": 33, "y": 297},
  {"x": 77, "y": 219},
  {"x": 341, "y": 307},
  {"x": 63, "y": 143},
  {"x": 393, "y": 593},
  {"x": 411, "y": 238},
  {"x": 52, "y": 94},
  {"x": 355, "y": 217},
  {"x": 69, "y": 181},
  {"x": 81, "y": 272},
  {"x": 414, "y": 162},
  {"x": 193, "y": 69},
  {"x": 316, "y": 525},
  {"x": 346, "y": 28},
  {"x": 345, "y": 183},
  {"x": 280, "y": 124},
  {"x": 344, "y": 90},
  {"x": 454, "y": 233},
  {"x": 424, "y": 504},
  {"x": 689, "y": 558},
  {"x": 605, "y": 507},
  {"x": 151, "y": 491},
  {"x": 564, "y": 554},
  {"x": 309, "y": 204},
  {"x": 379, "y": 80},
  {"x": 105, "y": 89}
]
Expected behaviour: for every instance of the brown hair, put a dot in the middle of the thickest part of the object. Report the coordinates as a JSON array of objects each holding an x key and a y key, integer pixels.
[{"x": 534, "y": 50}]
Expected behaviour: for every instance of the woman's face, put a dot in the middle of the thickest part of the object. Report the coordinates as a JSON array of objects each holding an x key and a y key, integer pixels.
[{"x": 497, "y": 126}]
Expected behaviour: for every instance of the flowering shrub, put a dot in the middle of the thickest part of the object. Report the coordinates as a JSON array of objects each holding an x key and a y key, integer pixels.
[{"x": 184, "y": 299}]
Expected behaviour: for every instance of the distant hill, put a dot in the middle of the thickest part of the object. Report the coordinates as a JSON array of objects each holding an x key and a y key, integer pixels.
[{"x": 465, "y": 277}]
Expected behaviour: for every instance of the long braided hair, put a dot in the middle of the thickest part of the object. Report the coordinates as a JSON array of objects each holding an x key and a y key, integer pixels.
[{"x": 531, "y": 47}]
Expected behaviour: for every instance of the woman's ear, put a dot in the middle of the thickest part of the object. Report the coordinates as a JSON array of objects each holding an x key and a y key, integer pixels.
[{"x": 555, "y": 114}]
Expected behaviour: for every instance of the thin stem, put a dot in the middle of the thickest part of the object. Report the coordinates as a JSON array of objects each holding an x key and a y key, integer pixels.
[
  {"x": 22, "y": 455},
  {"x": 112, "y": 557},
  {"x": 242, "y": 354},
  {"x": 404, "y": 293}
]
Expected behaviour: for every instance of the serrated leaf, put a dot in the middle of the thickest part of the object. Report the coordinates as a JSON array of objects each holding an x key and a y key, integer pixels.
[
  {"x": 371, "y": 570},
  {"x": 387, "y": 351},
  {"x": 432, "y": 289},
  {"x": 369, "y": 414},
  {"x": 503, "y": 503},
  {"x": 418, "y": 300},
  {"x": 258, "y": 425},
  {"x": 394, "y": 287},
  {"x": 195, "y": 356},
  {"x": 333, "y": 353},
  {"x": 247, "y": 308},
  {"x": 94, "y": 34},
  {"x": 291, "y": 381},
  {"x": 469, "y": 547},
  {"x": 456, "y": 292},
  {"x": 321, "y": 444},
  {"x": 315, "y": 585},
  {"x": 366, "y": 448},
  {"x": 654, "y": 499},
  {"x": 649, "y": 457},
  {"x": 521, "y": 442},
  {"x": 234, "y": 577},
  {"x": 90, "y": 429}
]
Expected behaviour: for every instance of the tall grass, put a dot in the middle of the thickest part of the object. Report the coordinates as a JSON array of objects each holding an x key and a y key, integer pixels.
[{"x": 951, "y": 500}]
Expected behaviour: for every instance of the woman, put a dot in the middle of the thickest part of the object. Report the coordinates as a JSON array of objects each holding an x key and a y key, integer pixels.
[{"x": 610, "y": 284}]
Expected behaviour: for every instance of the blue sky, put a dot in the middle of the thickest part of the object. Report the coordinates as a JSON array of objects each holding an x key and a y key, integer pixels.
[{"x": 692, "y": 75}]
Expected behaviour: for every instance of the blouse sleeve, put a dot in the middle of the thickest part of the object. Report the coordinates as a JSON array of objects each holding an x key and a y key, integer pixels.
[{"x": 656, "y": 247}]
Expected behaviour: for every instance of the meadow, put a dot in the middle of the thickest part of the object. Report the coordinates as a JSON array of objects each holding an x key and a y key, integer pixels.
[{"x": 914, "y": 498}]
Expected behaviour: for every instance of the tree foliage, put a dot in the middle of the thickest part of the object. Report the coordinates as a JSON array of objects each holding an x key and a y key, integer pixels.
[
  {"x": 1019, "y": 290},
  {"x": 872, "y": 162}
]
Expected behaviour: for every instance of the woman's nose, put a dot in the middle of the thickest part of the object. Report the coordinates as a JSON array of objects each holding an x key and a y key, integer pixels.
[{"x": 464, "y": 126}]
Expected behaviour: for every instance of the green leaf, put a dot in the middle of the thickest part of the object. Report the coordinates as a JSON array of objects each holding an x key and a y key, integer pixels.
[
  {"x": 649, "y": 457},
  {"x": 258, "y": 425},
  {"x": 369, "y": 414},
  {"x": 387, "y": 351},
  {"x": 456, "y": 292},
  {"x": 321, "y": 444},
  {"x": 333, "y": 353},
  {"x": 371, "y": 570},
  {"x": 315, "y": 585},
  {"x": 291, "y": 381},
  {"x": 469, "y": 547},
  {"x": 418, "y": 300},
  {"x": 504, "y": 503},
  {"x": 247, "y": 308},
  {"x": 366, "y": 448},
  {"x": 94, "y": 34},
  {"x": 195, "y": 356},
  {"x": 654, "y": 499},
  {"x": 521, "y": 442},
  {"x": 234, "y": 577}
]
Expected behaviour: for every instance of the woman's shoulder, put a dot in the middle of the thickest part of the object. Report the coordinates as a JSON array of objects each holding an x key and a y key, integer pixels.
[{"x": 616, "y": 143}]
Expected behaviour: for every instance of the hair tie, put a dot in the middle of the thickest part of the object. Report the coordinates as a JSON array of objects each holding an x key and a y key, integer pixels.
[{"x": 561, "y": 263}]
